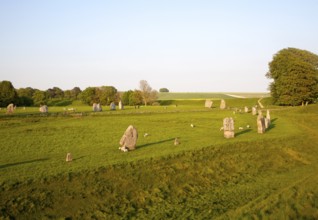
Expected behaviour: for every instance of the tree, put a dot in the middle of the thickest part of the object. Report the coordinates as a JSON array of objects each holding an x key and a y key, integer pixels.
[
  {"x": 135, "y": 98},
  {"x": 295, "y": 77},
  {"x": 88, "y": 96},
  {"x": 55, "y": 92},
  {"x": 106, "y": 94},
  {"x": 8, "y": 93},
  {"x": 147, "y": 93},
  {"x": 75, "y": 92},
  {"x": 25, "y": 96},
  {"x": 40, "y": 97},
  {"x": 163, "y": 90},
  {"x": 125, "y": 97}
]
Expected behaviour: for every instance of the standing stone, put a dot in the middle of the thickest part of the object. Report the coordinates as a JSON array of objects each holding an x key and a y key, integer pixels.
[
  {"x": 228, "y": 127},
  {"x": 260, "y": 125},
  {"x": 43, "y": 109},
  {"x": 208, "y": 103},
  {"x": 120, "y": 105},
  {"x": 246, "y": 109},
  {"x": 97, "y": 107},
  {"x": 68, "y": 157},
  {"x": 267, "y": 120},
  {"x": 254, "y": 111},
  {"x": 176, "y": 141},
  {"x": 222, "y": 105},
  {"x": 129, "y": 139},
  {"x": 10, "y": 108},
  {"x": 260, "y": 113},
  {"x": 112, "y": 106}
]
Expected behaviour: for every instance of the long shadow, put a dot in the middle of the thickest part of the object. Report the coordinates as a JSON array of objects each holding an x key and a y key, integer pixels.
[
  {"x": 153, "y": 143},
  {"x": 242, "y": 132},
  {"x": 23, "y": 162}
]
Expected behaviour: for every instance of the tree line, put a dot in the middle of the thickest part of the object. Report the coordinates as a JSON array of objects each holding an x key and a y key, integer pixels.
[{"x": 57, "y": 97}]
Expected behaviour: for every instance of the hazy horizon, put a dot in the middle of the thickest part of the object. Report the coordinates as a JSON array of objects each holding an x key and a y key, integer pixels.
[{"x": 185, "y": 46}]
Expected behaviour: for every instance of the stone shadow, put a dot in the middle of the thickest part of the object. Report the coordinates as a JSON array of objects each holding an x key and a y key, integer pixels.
[
  {"x": 23, "y": 162},
  {"x": 272, "y": 125},
  {"x": 154, "y": 143},
  {"x": 243, "y": 132}
]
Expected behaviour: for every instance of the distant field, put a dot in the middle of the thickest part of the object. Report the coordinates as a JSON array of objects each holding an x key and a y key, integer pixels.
[{"x": 207, "y": 95}]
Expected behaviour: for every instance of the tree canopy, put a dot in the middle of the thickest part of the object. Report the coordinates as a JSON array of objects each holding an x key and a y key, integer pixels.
[
  {"x": 8, "y": 93},
  {"x": 295, "y": 77}
]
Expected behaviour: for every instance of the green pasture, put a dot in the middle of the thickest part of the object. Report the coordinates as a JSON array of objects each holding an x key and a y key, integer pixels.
[
  {"x": 208, "y": 95},
  {"x": 253, "y": 176}
]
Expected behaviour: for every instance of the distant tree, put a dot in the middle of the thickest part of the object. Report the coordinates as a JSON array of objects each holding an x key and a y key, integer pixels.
[
  {"x": 135, "y": 98},
  {"x": 8, "y": 93},
  {"x": 75, "y": 93},
  {"x": 55, "y": 92},
  {"x": 40, "y": 97},
  {"x": 89, "y": 96},
  {"x": 106, "y": 94},
  {"x": 163, "y": 90},
  {"x": 295, "y": 77},
  {"x": 25, "y": 96},
  {"x": 125, "y": 97},
  {"x": 147, "y": 93},
  {"x": 68, "y": 95}
]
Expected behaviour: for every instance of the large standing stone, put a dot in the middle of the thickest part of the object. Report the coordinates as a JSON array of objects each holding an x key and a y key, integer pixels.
[
  {"x": 254, "y": 111},
  {"x": 267, "y": 120},
  {"x": 43, "y": 109},
  {"x": 228, "y": 127},
  {"x": 246, "y": 109},
  {"x": 208, "y": 103},
  {"x": 223, "y": 104},
  {"x": 120, "y": 105},
  {"x": 260, "y": 124},
  {"x": 10, "y": 108},
  {"x": 129, "y": 140},
  {"x": 112, "y": 106},
  {"x": 97, "y": 107}
]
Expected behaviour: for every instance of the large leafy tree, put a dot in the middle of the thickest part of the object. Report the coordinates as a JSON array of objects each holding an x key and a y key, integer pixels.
[
  {"x": 106, "y": 94},
  {"x": 8, "y": 93},
  {"x": 147, "y": 93},
  {"x": 295, "y": 77},
  {"x": 26, "y": 96}
]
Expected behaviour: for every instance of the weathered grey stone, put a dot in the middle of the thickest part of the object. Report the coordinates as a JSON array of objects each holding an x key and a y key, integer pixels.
[
  {"x": 97, "y": 107},
  {"x": 223, "y": 104},
  {"x": 208, "y": 103},
  {"x": 260, "y": 113},
  {"x": 254, "y": 111},
  {"x": 120, "y": 105},
  {"x": 246, "y": 109},
  {"x": 112, "y": 106},
  {"x": 68, "y": 157},
  {"x": 129, "y": 140},
  {"x": 260, "y": 125},
  {"x": 228, "y": 127},
  {"x": 43, "y": 109},
  {"x": 10, "y": 108}
]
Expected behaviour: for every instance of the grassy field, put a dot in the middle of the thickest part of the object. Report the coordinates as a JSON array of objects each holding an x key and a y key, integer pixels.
[
  {"x": 208, "y": 95},
  {"x": 253, "y": 176}
]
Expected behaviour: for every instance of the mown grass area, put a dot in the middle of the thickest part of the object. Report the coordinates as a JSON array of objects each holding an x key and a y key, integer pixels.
[{"x": 272, "y": 175}]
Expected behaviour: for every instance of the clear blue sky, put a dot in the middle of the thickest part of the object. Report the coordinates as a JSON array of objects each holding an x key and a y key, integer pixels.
[{"x": 185, "y": 46}]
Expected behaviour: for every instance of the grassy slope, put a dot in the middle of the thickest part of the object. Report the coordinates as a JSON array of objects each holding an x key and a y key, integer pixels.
[{"x": 206, "y": 176}]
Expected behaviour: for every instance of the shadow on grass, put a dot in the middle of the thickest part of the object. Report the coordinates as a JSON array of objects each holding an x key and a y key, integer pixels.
[
  {"x": 23, "y": 162},
  {"x": 78, "y": 158},
  {"x": 153, "y": 143},
  {"x": 242, "y": 132},
  {"x": 272, "y": 125}
]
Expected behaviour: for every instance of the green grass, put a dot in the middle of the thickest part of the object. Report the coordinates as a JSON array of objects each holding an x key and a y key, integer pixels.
[
  {"x": 251, "y": 176},
  {"x": 207, "y": 95}
]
